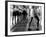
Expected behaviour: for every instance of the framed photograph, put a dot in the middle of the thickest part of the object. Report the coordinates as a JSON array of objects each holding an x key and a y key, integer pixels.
[{"x": 24, "y": 18}]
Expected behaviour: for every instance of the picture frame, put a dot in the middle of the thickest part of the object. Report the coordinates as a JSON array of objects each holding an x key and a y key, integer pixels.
[{"x": 7, "y": 20}]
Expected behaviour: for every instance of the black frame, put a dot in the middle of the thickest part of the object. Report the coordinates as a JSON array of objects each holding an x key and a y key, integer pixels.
[{"x": 6, "y": 17}]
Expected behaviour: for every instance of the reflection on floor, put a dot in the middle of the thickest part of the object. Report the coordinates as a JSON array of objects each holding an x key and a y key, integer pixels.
[{"x": 22, "y": 25}]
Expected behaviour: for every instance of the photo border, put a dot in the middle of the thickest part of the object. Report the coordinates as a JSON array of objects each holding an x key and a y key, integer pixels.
[{"x": 6, "y": 17}]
